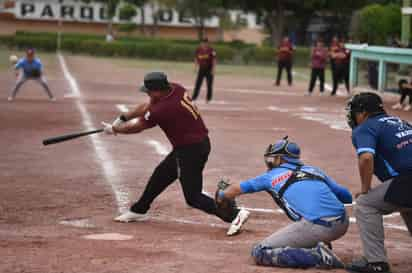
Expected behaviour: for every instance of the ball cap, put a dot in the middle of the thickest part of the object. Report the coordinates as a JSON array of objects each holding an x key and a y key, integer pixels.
[{"x": 155, "y": 81}]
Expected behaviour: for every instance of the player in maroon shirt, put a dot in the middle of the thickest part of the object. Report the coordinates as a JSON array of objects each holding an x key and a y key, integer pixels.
[
  {"x": 342, "y": 60},
  {"x": 285, "y": 56},
  {"x": 319, "y": 58},
  {"x": 333, "y": 50},
  {"x": 205, "y": 62},
  {"x": 171, "y": 109}
]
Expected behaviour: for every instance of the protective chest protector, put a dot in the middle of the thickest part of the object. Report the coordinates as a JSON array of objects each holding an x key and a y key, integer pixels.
[{"x": 297, "y": 176}]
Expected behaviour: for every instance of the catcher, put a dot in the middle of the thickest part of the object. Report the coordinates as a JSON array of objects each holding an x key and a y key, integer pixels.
[
  {"x": 32, "y": 69},
  {"x": 309, "y": 198}
]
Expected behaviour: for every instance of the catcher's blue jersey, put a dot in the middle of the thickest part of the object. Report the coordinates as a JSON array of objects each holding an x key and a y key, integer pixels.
[
  {"x": 389, "y": 139},
  {"x": 310, "y": 199},
  {"x": 28, "y": 67}
]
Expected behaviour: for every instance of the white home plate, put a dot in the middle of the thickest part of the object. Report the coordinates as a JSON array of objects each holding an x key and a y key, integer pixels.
[
  {"x": 108, "y": 237},
  {"x": 79, "y": 223}
]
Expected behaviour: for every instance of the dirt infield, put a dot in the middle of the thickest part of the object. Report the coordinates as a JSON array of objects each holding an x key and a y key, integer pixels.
[{"x": 52, "y": 197}]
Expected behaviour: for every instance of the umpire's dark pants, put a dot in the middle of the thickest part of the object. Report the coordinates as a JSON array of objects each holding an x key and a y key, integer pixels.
[
  {"x": 287, "y": 64},
  {"x": 317, "y": 73},
  {"x": 204, "y": 72},
  {"x": 187, "y": 164}
]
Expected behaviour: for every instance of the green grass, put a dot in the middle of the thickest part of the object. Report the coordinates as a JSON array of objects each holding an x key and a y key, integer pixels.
[{"x": 256, "y": 71}]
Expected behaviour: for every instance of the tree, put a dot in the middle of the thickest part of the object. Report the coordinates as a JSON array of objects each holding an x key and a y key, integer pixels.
[
  {"x": 378, "y": 22},
  {"x": 276, "y": 12},
  {"x": 112, "y": 7},
  {"x": 126, "y": 13},
  {"x": 200, "y": 10}
]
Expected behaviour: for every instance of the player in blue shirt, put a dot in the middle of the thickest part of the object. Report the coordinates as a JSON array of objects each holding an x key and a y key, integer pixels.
[
  {"x": 384, "y": 147},
  {"x": 310, "y": 198},
  {"x": 32, "y": 69}
]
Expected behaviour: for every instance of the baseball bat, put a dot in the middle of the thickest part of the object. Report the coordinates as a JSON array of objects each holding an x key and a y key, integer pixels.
[{"x": 57, "y": 139}]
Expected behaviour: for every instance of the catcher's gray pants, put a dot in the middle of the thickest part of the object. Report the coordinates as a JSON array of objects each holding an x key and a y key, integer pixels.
[
  {"x": 369, "y": 211},
  {"x": 305, "y": 234},
  {"x": 22, "y": 79}
]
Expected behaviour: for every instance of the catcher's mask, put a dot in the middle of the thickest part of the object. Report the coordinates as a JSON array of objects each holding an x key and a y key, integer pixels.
[
  {"x": 368, "y": 102},
  {"x": 288, "y": 151}
]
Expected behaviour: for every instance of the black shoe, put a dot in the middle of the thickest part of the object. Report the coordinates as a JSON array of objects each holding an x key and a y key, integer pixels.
[
  {"x": 333, "y": 94},
  {"x": 362, "y": 266}
]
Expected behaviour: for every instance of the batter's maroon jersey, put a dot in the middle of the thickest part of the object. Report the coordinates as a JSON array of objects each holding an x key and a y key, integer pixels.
[
  {"x": 179, "y": 119},
  {"x": 205, "y": 56}
]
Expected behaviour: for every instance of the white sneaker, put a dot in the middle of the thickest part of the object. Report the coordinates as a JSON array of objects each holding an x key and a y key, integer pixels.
[
  {"x": 237, "y": 223},
  {"x": 397, "y": 106},
  {"x": 53, "y": 99},
  {"x": 407, "y": 107},
  {"x": 10, "y": 98},
  {"x": 308, "y": 94},
  {"x": 130, "y": 216}
]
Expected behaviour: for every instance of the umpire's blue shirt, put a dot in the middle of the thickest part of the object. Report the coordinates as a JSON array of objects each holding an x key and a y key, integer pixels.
[
  {"x": 389, "y": 139},
  {"x": 28, "y": 67},
  {"x": 310, "y": 199}
]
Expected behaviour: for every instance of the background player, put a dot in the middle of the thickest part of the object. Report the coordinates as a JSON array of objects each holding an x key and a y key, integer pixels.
[
  {"x": 341, "y": 57},
  {"x": 319, "y": 58},
  {"x": 285, "y": 59},
  {"x": 384, "y": 147},
  {"x": 171, "y": 109},
  {"x": 205, "y": 64},
  {"x": 405, "y": 89},
  {"x": 32, "y": 69},
  {"x": 309, "y": 198}
]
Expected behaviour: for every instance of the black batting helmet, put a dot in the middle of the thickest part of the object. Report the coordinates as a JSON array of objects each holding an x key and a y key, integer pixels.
[
  {"x": 368, "y": 102},
  {"x": 155, "y": 81}
]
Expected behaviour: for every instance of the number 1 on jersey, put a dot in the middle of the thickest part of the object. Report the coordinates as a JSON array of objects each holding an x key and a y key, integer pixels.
[{"x": 187, "y": 103}]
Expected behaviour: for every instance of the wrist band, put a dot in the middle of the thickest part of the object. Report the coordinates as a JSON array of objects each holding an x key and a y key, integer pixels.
[
  {"x": 123, "y": 118},
  {"x": 221, "y": 194}
]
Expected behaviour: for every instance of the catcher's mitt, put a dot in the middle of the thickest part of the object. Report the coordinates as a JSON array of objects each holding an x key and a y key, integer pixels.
[
  {"x": 35, "y": 73},
  {"x": 226, "y": 209}
]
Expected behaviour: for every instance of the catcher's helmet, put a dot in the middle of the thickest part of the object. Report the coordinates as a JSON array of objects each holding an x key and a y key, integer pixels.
[
  {"x": 289, "y": 151},
  {"x": 155, "y": 81},
  {"x": 368, "y": 102}
]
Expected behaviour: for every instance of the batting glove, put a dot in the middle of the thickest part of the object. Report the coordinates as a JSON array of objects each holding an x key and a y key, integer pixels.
[{"x": 108, "y": 128}]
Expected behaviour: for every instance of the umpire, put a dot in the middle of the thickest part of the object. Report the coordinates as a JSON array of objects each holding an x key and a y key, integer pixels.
[
  {"x": 384, "y": 147},
  {"x": 205, "y": 63},
  {"x": 171, "y": 109}
]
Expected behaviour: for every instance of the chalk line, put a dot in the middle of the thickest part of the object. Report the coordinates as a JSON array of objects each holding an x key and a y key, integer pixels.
[{"x": 112, "y": 176}]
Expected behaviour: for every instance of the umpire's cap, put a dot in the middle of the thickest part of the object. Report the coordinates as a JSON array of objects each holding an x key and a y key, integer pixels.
[
  {"x": 289, "y": 151},
  {"x": 368, "y": 102},
  {"x": 155, "y": 81}
]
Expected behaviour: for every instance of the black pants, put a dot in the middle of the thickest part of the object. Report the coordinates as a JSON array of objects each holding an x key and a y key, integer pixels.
[
  {"x": 405, "y": 92},
  {"x": 333, "y": 71},
  {"x": 204, "y": 73},
  {"x": 342, "y": 74},
  {"x": 317, "y": 73},
  {"x": 284, "y": 65},
  {"x": 187, "y": 164}
]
